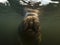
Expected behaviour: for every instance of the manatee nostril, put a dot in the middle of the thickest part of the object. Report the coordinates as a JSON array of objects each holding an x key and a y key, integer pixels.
[{"x": 31, "y": 23}]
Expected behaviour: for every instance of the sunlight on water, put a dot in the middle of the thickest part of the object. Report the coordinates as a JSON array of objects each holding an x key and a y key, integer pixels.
[
  {"x": 43, "y": 2},
  {"x": 5, "y": 2}
]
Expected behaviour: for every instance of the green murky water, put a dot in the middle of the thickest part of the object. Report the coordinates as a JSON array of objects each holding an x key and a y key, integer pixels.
[{"x": 10, "y": 19}]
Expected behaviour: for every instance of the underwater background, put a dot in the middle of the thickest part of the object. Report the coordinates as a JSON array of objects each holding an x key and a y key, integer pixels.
[{"x": 10, "y": 19}]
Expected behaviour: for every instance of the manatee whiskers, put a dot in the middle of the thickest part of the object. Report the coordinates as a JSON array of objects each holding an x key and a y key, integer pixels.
[{"x": 31, "y": 23}]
